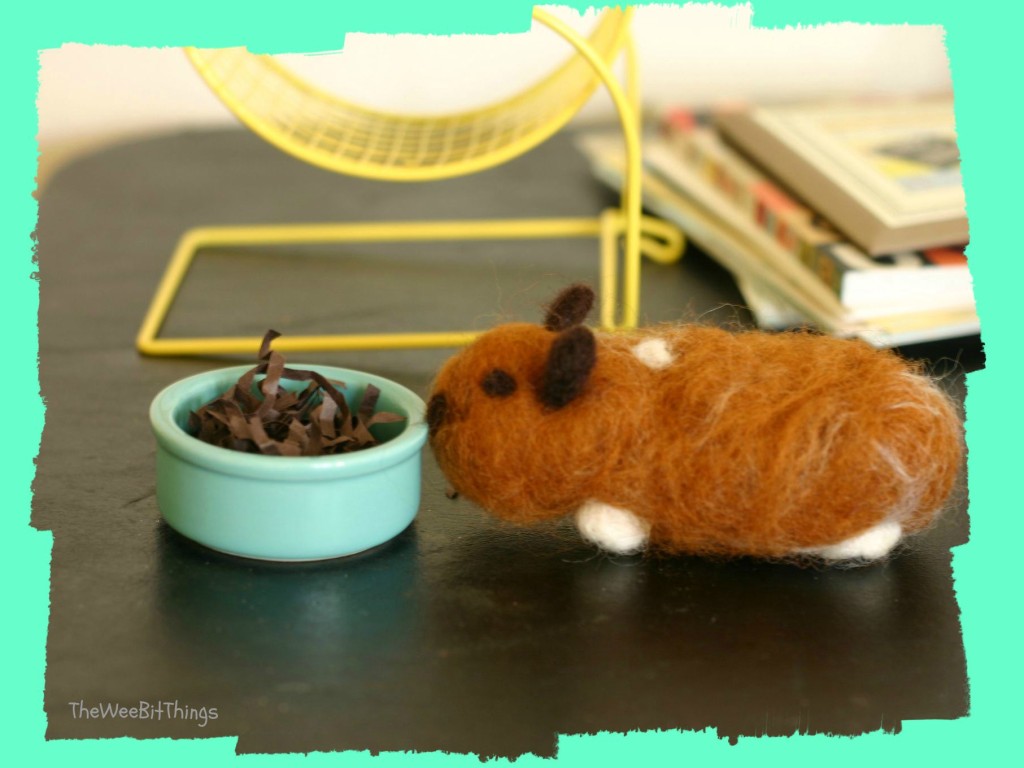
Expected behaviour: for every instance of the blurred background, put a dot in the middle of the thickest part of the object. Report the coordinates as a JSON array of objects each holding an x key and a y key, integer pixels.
[
  {"x": 847, "y": 253},
  {"x": 697, "y": 55}
]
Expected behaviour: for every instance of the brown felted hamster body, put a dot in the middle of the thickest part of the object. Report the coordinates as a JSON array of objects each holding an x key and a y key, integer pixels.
[{"x": 693, "y": 439}]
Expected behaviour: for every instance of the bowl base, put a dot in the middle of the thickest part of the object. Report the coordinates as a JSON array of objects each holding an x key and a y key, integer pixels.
[{"x": 269, "y": 559}]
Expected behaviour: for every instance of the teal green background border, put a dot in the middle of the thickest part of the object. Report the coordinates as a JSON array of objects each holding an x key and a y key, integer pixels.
[{"x": 983, "y": 47}]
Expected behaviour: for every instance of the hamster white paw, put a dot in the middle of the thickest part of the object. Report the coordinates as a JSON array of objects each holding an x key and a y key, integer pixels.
[
  {"x": 873, "y": 544},
  {"x": 610, "y": 528}
]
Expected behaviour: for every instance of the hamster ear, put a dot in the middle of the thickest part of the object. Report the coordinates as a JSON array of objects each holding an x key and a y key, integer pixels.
[
  {"x": 569, "y": 308},
  {"x": 568, "y": 367}
]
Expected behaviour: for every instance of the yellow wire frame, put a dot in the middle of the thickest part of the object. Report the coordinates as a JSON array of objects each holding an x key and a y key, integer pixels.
[
  {"x": 659, "y": 240},
  {"x": 237, "y": 103},
  {"x": 629, "y": 119},
  {"x": 663, "y": 241}
]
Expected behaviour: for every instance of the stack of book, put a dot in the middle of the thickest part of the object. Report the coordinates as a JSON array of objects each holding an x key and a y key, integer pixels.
[{"x": 848, "y": 218}]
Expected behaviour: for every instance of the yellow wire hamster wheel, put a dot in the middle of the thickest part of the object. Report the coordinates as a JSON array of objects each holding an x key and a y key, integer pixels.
[{"x": 324, "y": 130}]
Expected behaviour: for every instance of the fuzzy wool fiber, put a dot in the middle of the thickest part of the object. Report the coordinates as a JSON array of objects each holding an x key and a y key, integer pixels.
[{"x": 723, "y": 443}]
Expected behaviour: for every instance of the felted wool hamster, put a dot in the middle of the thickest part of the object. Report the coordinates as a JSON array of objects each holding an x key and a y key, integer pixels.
[{"x": 693, "y": 439}]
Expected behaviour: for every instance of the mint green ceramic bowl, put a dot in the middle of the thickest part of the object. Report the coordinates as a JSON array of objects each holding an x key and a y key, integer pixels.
[{"x": 287, "y": 507}]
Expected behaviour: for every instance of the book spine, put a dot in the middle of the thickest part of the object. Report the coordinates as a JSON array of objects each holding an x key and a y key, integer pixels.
[
  {"x": 831, "y": 262},
  {"x": 796, "y": 228}
]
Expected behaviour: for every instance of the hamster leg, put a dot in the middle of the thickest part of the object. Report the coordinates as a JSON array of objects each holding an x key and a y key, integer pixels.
[
  {"x": 611, "y": 528},
  {"x": 873, "y": 544}
]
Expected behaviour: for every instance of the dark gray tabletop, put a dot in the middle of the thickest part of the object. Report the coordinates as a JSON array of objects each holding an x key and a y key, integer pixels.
[{"x": 462, "y": 634}]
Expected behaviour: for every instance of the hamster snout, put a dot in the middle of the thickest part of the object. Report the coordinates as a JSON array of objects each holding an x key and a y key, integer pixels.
[{"x": 437, "y": 411}]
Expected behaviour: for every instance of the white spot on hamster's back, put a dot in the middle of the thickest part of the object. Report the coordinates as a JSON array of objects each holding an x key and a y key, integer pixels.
[{"x": 654, "y": 353}]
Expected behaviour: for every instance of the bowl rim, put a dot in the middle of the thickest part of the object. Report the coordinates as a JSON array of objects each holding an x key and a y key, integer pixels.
[{"x": 298, "y": 468}]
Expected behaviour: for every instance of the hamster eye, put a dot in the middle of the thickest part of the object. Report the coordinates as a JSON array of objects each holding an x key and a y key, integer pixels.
[{"x": 498, "y": 383}]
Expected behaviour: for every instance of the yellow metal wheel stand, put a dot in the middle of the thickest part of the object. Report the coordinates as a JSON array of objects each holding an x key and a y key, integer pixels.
[{"x": 326, "y": 131}]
